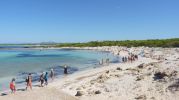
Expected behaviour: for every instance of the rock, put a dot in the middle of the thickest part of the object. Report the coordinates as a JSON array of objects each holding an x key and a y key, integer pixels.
[
  {"x": 141, "y": 65},
  {"x": 141, "y": 97},
  {"x": 149, "y": 68},
  {"x": 118, "y": 68},
  {"x": 98, "y": 92},
  {"x": 106, "y": 90},
  {"x": 103, "y": 76},
  {"x": 174, "y": 87},
  {"x": 139, "y": 78},
  {"x": 173, "y": 73},
  {"x": 117, "y": 75},
  {"x": 79, "y": 93},
  {"x": 79, "y": 88},
  {"x": 92, "y": 82},
  {"x": 153, "y": 98},
  {"x": 107, "y": 72},
  {"x": 159, "y": 75}
]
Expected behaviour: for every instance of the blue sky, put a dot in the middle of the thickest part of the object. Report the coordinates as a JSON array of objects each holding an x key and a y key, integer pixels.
[{"x": 24, "y": 21}]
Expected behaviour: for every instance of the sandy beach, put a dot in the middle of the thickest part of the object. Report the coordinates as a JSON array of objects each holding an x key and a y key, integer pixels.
[{"x": 154, "y": 76}]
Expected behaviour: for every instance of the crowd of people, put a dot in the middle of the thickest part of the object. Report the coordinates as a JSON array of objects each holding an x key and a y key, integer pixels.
[
  {"x": 43, "y": 79},
  {"x": 130, "y": 58}
]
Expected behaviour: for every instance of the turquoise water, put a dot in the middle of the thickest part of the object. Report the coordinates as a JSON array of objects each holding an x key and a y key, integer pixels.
[{"x": 19, "y": 62}]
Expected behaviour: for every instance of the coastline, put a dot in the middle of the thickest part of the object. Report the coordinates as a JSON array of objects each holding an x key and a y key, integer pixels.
[{"x": 125, "y": 80}]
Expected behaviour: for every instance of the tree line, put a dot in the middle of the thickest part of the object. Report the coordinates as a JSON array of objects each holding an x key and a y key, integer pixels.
[{"x": 174, "y": 42}]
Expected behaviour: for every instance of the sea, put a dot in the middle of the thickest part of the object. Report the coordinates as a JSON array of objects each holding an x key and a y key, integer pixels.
[{"x": 17, "y": 62}]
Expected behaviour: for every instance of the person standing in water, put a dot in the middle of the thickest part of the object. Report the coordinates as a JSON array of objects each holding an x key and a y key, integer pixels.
[
  {"x": 41, "y": 80},
  {"x": 65, "y": 69},
  {"x": 29, "y": 81},
  {"x": 52, "y": 75},
  {"x": 46, "y": 78},
  {"x": 13, "y": 86}
]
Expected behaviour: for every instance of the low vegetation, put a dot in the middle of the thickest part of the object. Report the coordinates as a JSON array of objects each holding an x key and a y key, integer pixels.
[{"x": 129, "y": 43}]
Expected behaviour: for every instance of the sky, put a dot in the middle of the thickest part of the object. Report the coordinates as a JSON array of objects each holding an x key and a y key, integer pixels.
[{"x": 33, "y": 21}]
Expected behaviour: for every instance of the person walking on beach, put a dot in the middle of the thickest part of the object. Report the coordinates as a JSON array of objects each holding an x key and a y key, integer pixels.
[
  {"x": 13, "y": 86},
  {"x": 46, "y": 78},
  {"x": 29, "y": 81},
  {"x": 41, "y": 80},
  {"x": 52, "y": 75}
]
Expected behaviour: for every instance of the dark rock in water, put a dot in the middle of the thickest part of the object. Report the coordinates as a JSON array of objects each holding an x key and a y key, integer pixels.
[
  {"x": 118, "y": 68},
  {"x": 79, "y": 93},
  {"x": 98, "y": 92},
  {"x": 159, "y": 75}
]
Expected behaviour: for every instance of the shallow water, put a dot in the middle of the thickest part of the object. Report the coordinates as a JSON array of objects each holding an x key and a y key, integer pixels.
[{"x": 19, "y": 62}]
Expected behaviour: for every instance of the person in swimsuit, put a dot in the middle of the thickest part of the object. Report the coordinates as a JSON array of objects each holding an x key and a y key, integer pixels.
[
  {"x": 29, "y": 81},
  {"x": 52, "y": 74},
  {"x": 65, "y": 69},
  {"x": 46, "y": 78},
  {"x": 41, "y": 79},
  {"x": 13, "y": 86}
]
